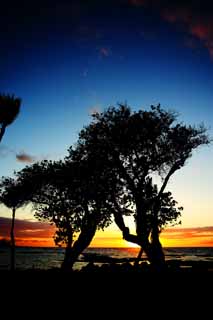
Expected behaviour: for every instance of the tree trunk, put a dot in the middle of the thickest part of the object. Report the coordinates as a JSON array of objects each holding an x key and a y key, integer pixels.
[
  {"x": 12, "y": 257},
  {"x": 157, "y": 250},
  {"x": 85, "y": 237},
  {"x": 142, "y": 227},
  {"x": 81, "y": 244},
  {"x": 152, "y": 250},
  {"x": 137, "y": 260},
  {"x": 68, "y": 249}
]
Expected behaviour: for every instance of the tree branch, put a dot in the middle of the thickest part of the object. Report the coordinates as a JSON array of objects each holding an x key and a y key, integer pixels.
[
  {"x": 171, "y": 171},
  {"x": 124, "y": 172}
]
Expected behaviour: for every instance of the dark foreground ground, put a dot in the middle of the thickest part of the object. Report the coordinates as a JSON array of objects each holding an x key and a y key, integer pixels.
[
  {"x": 172, "y": 266},
  {"x": 92, "y": 267},
  {"x": 111, "y": 280}
]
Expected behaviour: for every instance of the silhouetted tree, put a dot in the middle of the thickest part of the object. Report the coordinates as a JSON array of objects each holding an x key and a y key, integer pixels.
[
  {"x": 9, "y": 110},
  {"x": 67, "y": 195},
  {"x": 135, "y": 147},
  {"x": 13, "y": 196}
]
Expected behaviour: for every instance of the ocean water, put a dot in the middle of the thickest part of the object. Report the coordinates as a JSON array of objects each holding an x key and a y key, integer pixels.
[{"x": 46, "y": 258}]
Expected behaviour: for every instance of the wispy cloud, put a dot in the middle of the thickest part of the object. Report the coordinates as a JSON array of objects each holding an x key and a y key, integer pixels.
[
  {"x": 28, "y": 233},
  {"x": 41, "y": 233},
  {"x": 197, "y": 24},
  {"x": 197, "y": 230},
  {"x": 24, "y": 157},
  {"x": 197, "y": 236},
  {"x": 196, "y": 17},
  {"x": 26, "y": 229},
  {"x": 20, "y": 156},
  {"x": 104, "y": 52}
]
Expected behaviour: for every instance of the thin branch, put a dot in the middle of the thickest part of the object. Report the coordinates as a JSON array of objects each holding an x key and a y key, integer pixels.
[{"x": 171, "y": 171}]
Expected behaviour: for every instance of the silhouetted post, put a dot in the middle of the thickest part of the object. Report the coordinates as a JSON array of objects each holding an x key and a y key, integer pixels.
[{"x": 12, "y": 261}]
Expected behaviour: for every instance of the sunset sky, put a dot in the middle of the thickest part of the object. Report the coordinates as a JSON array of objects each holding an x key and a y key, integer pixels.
[{"x": 66, "y": 59}]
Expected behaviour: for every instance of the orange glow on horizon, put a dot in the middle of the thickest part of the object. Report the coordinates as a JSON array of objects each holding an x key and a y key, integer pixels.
[
  {"x": 116, "y": 242},
  {"x": 37, "y": 234}
]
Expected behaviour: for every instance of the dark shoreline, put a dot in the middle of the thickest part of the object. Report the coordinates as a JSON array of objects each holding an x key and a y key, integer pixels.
[{"x": 127, "y": 267}]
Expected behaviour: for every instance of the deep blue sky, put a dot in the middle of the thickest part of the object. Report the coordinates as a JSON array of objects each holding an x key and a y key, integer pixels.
[{"x": 67, "y": 58}]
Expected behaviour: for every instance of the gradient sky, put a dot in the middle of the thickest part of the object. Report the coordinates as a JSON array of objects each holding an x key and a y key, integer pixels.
[{"x": 66, "y": 59}]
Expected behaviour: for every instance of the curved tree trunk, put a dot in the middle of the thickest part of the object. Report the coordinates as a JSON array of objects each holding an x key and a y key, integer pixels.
[
  {"x": 136, "y": 263},
  {"x": 82, "y": 243},
  {"x": 158, "y": 257},
  {"x": 152, "y": 250},
  {"x": 157, "y": 250},
  {"x": 12, "y": 257},
  {"x": 85, "y": 237}
]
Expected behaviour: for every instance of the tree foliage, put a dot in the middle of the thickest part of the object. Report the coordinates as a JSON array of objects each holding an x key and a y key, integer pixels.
[
  {"x": 134, "y": 147},
  {"x": 66, "y": 194},
  {"x": 13, "y": 195}
]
